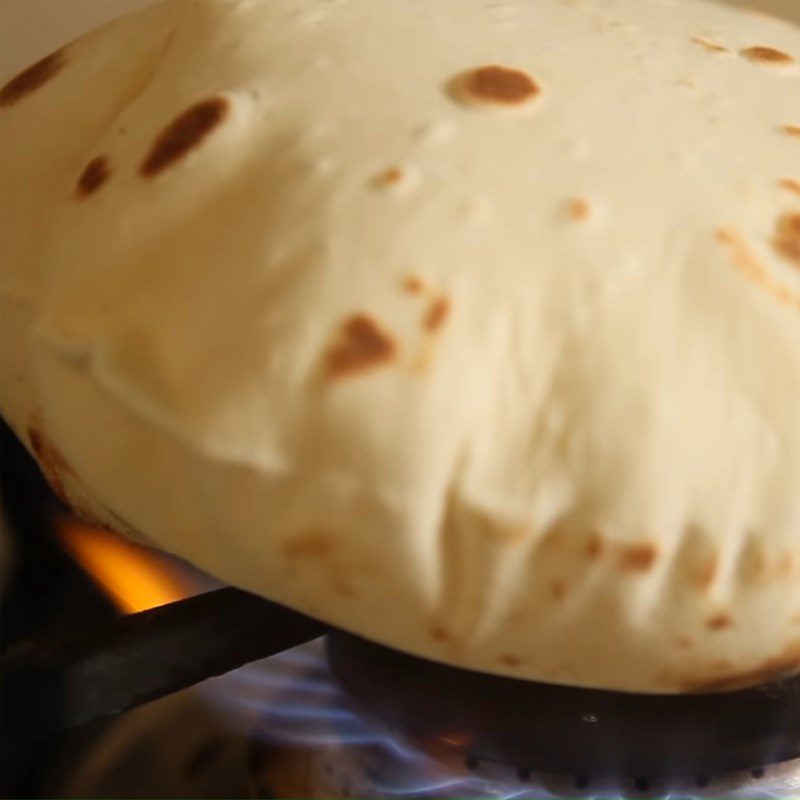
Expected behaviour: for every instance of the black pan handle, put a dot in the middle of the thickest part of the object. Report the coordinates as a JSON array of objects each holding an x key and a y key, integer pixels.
[{"x": 51, "y": 688}]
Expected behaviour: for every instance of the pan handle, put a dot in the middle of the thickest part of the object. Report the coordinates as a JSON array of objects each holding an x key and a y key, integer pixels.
[{"x": 50, "y": 688}]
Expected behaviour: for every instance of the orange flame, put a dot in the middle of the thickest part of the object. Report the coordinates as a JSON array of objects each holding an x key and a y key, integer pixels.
[{"x": 134, "y": 577}]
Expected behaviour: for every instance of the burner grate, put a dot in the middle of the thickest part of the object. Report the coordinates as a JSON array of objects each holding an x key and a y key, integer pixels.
[{"x": 636, "y": 739}]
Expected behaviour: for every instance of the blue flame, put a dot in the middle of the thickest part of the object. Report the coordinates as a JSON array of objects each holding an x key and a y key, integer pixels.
[{"x": 292, "y": 699}]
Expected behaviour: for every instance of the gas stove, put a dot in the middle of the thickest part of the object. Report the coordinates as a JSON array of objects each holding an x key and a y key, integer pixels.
[
  {"x": 285, "y": 728},
  {"x": 339, "y": 717}
]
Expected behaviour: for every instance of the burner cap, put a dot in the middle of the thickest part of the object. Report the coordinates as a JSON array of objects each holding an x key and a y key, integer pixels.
[{"x": 568, "y": 730}]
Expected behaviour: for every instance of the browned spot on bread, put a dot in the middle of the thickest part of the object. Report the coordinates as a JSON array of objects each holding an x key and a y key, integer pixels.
[
  {"x": 745, "y": 260},
  {"x": 790, "y": 184},
  {"x": 38, "y": 442},
  {"x": 414, "y": 285},
  {"x": 595, "y": 547},
  {"x": 389, "y": 177},
  {"x": 440, "y": 634},
  {"x": 787, "y": 237},
  {"x": 558, "y": 589},
  {"x": 708, "y": 573},
  {"x": 315, "y": 544},
  {"x": 432, "y": 320},
  {"x": 767, "y": 55},
  {"x": 710, "y": 46},
  {"x": 96, "y": 173},
  {"x": 792, "y": 130},
  {"x": 772, "y": 669},
  {"x": 578, "y": 209},
  {"x": 719, "y": 622},
  {"x": 795, "y": 620},
  {"x": 67, "y": 487},
  {"x": 684, "y": 642},
  {"x": 437, "y": 314},
  {"x": 184, "y": 133},
  {"x": 31, "y": 79},
  {"x": 361, "y": 345},
  {"x": 638, "y": 557},
  {"x": 511, "y": 661},
  {"x": 53, "y": 464},
  {"x": 496, "y": 85}
]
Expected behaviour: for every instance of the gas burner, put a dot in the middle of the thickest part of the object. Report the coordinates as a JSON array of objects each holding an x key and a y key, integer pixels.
[
  {"x": 360, "y": 772},
  {"x": 584, "y": 733},
  {"x": 283, "y": 728}
]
